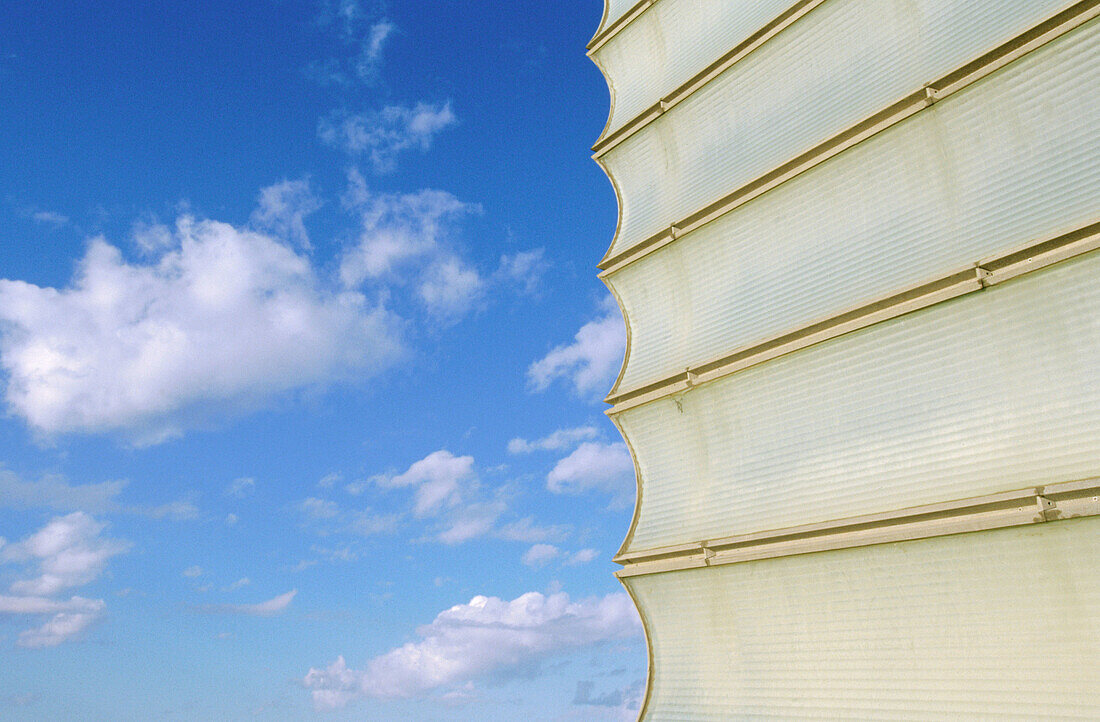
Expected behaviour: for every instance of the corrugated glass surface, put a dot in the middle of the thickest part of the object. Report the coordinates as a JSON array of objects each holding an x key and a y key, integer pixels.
[
  {"x": 841, "y": 63},
  {"x": 989, "y": 392},
  {"x": 998, "y": 165},
  {"x": 615, "y": 10},
  {"x": 672, "y": 42},
  {"x": 996, "y": 625}
]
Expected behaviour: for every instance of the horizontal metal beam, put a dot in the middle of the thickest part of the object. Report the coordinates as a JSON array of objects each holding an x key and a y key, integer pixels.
[{"x": 1035, "y": 505}]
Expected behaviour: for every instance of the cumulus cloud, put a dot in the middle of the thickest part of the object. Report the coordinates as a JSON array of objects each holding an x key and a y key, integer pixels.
[
  {"x": 282, "y": 209},
  {"x": 468, "y": 641},
  {"x": 223, "y": 320},
  {"x": 560, "y": 439},
  {"x": 67, "y": 552},
  {"x": 271, "y": 607},
  {"x": 594, "y": 466},
  {"x": 384, "y": 134},
  {"x": 436, "y": 478},
  {"x": 591, "y": 362}
]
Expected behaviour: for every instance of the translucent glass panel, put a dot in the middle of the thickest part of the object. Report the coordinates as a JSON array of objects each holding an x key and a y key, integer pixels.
[
  {"x": 996, "y": 625},
  {"x": 1000, "y": 164},
  {"x": 615, "y": 10},
  {"x": 841, "y": 63},
  {"x": 990, "y": 392},
  {"x": 672, "y": 42}
]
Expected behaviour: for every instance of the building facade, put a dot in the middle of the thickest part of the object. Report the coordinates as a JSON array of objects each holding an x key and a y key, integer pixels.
[{"x": 857, "y": 258}]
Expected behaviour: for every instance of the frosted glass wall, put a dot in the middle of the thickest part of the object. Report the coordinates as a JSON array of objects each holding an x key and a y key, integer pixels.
[
  {"x": 836, "y": 66},
  {"x": 995, "y": 625},
  {"x": 926, "y": 197},
  {"x": 994, "y": 391}
]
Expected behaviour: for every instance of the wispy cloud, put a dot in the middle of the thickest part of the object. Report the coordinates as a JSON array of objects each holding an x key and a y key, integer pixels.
[
  {"x": 53, "y": 491},
  {"x": 590, "y": 362},
  {"x": 467, "y": 641},
  {"x": 560, "y": 439},
  {"x": 382, "y": 135},
  {"x": 282, "y": 209},
  {"x": 50, "y": 218},
  {"x": 540, "y": 555},
  {"x": 67, "y": 552},
  {"x": 220, "y": 322},
  {"x": 271, "y": 607},
  {"x": 241, "y": 487}
]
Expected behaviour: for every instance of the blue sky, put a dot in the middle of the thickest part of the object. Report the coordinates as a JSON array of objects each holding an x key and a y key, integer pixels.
[{"x": 302, "y": 353}]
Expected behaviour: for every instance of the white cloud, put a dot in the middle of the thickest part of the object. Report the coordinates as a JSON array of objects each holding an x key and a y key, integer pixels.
[
  {"x": 591, "y": 362},
  {"x": 471, "y": 520},
  {"x": 271, "y": 607},
  {"x": 467, "y": 641},
  {"x": 398, "y": 229},
  {"x": 62, "y": 627},
  {"x": 231, "y": 519},
  {"x": 450, "y": 288},
  {"x": 221, "y": 322},
  {"x": 594, "y": 465},
  {"x": 175, "y": 510},
  {"x": 560, "y": 439},
  {"x": 581, "y": 557},
  {"x": 242, "y": 582},
  {"x": 192, "y": 572},
  {"x": 524, "y": 269},
  {"x": 282, "y": 209},
  {"x": 45, "y": 605},
  {"x": 383, "y": 134},
  {"x": 67, "y": 552},
  {"x": 437, "y": 478},
  {"x": 525, "y": 530},
  {"x": 540, "y": 555},
  {"x": 370, "y": 56},
  {"x": 241, "y": 487},
  {"x": 315, "y": 509}
]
